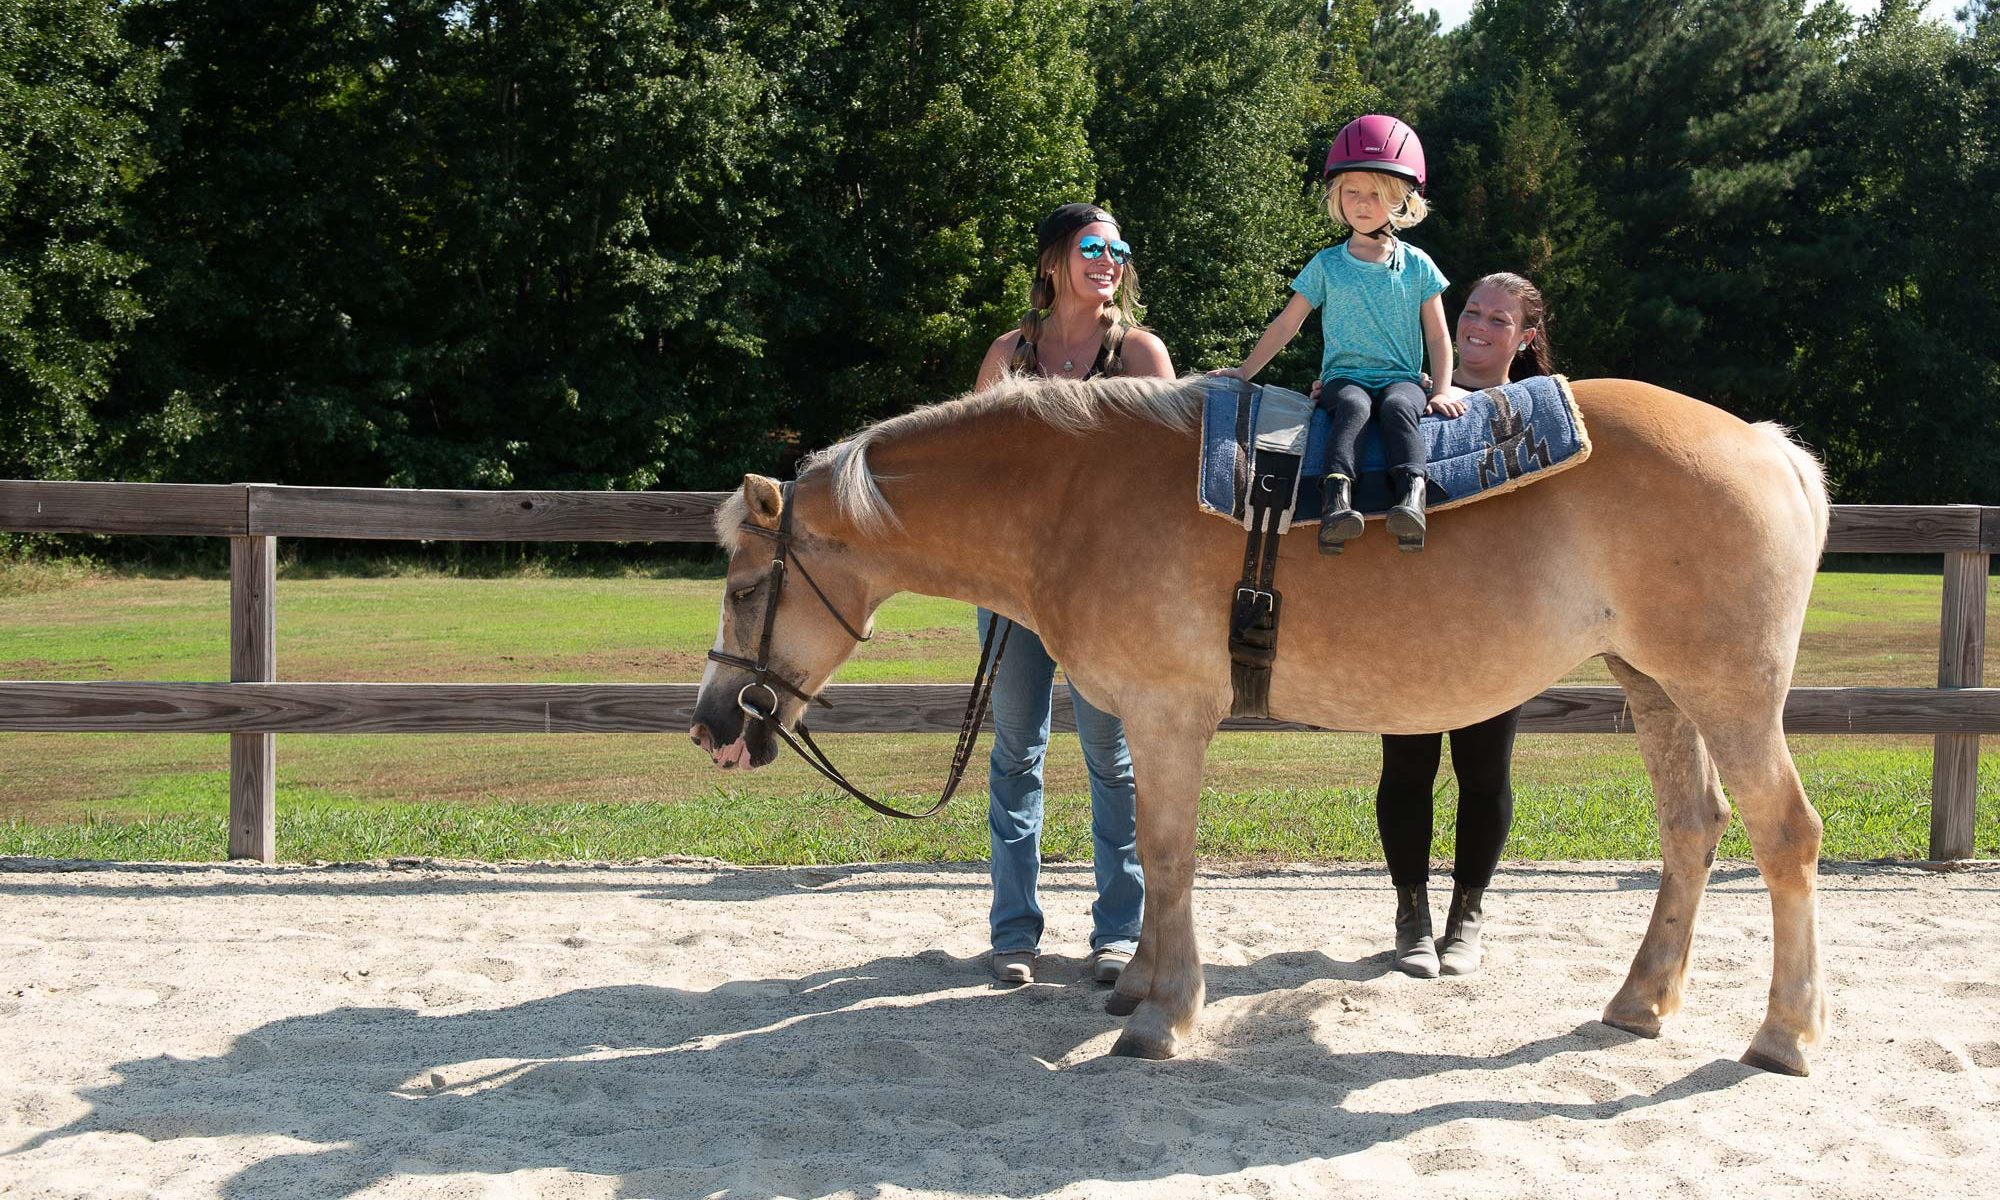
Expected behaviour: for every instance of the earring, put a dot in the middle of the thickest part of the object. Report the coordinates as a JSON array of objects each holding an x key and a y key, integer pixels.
[{"x": 1521, "y": 347}]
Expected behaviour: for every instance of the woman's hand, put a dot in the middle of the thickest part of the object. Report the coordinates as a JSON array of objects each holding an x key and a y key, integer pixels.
[
  {"x": 1450, "y": 407},
  {"x": 1228, "y": 372}
]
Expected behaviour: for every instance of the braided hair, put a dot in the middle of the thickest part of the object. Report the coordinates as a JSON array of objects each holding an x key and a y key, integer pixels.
[{"x": 1054, "y": 238}]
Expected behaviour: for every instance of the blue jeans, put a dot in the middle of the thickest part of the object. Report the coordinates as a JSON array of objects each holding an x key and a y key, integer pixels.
[{"x": 1022, "y": 703}]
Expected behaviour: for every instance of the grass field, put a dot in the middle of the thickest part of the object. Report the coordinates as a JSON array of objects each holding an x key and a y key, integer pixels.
[{"x": 1293, "y": 796}]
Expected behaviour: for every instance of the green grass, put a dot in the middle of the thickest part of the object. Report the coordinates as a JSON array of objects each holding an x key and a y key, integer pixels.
[{"x": 1277, "y": 796}]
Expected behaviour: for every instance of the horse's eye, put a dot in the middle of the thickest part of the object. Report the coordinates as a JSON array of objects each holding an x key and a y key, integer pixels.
[{"x": 743, "y": 593}]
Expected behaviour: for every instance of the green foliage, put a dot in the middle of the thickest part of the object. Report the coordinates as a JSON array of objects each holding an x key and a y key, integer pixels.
[
  {"x": 1688, "y": 111},
  {"x": 930, "y": 137},
  {"x": 441, "y": 244},
  {"x": 655, "y": 243},
  {"x": 73, "y": 99},
  {"x": 1898, "y": 266},
  {"x": 1209, "y": 113}
]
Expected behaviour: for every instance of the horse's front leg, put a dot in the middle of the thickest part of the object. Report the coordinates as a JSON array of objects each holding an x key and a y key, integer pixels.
[{"x": 1164, "y": 979}]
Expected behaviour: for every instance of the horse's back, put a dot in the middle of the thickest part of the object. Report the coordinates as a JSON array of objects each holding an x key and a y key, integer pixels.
[{"x": 1709, "y": 528}]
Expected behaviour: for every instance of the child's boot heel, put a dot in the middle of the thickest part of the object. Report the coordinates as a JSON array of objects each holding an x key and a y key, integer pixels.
[
  {"x": 1406, "y": 520},
  {"x": 1339, "y": 523}
]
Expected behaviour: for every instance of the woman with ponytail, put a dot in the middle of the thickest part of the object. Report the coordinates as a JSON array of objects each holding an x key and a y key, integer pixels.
[
  {"x": 1502, "y": 336},
  {"x": 1079, "y": 324}
]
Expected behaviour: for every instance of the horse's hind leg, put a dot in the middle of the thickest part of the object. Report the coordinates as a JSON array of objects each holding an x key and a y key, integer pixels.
[
  {"x": 1785, "y": 833},
  {"x": 1692, "y": 818}
]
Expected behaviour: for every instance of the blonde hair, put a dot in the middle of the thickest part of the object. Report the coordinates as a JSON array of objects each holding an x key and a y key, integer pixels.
[
  {"x": 1067, "y": 405},
  {"x": 1406, "y": 207},
  {"x": 1118, "y": 317}
]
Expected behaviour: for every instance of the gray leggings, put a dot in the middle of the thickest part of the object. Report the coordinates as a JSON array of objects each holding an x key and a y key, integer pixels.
[{"x": 1394, "y": 406}]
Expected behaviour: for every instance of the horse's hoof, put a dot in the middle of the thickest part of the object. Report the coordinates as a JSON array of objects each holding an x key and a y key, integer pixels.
[
  {"x": 1121, "y": 1005},
  {"x": 1779, "y": 1051},
  {"x": 1131, "y": 1045},
  {"x": 1764, "y": 1062},
  {"x": 1645, "y": 1025}
]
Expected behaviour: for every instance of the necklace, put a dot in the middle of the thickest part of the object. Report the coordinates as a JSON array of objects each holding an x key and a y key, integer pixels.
[{"x": 1069, "y": 362}]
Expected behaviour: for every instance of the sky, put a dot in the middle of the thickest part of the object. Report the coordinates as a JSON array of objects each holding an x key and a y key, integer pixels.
[{"x": 1454, "y": 12}]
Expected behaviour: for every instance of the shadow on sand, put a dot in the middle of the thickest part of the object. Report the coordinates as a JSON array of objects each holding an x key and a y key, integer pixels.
[{"x": 899, "y": 1071}]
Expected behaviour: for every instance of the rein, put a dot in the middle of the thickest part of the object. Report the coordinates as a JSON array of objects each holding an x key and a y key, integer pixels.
[{"x": 770, "y": 681}]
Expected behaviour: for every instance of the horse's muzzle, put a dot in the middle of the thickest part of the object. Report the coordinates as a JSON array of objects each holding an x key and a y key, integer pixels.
[{"x": 732, "y": 737}]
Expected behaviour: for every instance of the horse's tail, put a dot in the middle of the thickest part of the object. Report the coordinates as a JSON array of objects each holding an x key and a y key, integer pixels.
[{"x": 1811, "y": 476}]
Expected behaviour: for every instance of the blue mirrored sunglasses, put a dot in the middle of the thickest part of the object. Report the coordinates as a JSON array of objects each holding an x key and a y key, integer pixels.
[{"x": 1095, "y": 245}]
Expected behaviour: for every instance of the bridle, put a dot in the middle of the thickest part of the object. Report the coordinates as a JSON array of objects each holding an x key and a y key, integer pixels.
[{"x": 769, "y": 682}]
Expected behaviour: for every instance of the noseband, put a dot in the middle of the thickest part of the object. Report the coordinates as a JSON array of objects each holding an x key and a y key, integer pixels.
[{"x": 770, "y": 682}]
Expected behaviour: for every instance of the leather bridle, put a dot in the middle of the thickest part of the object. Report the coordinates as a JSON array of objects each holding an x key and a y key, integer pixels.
[{"x": 767, "y": 680}]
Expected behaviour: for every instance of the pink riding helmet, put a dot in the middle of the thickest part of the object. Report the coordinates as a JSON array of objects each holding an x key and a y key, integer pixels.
[{"x": 1377, "y": 143}]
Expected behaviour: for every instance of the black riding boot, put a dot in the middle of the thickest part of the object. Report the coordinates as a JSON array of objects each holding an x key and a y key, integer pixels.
[
  {"x": 1458, "y": 950},
  {"x": 1406, "y": 519},
  {"x": 1338, "y": 521},
  {"x": 1416, "y": 954}
]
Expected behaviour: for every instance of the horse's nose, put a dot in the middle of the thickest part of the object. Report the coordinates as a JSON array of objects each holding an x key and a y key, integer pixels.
[{"x": 703, "y": 738}]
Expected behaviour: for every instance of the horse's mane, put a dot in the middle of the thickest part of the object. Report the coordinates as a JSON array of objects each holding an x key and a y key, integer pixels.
[{"x": 1068, "y": 405}]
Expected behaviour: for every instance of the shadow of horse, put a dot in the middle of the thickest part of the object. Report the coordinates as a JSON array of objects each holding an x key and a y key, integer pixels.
[{"x": 911, "y": 1072}]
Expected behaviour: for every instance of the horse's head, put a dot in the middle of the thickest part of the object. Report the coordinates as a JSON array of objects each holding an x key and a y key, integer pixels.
[{"x": 786, "y": 607}]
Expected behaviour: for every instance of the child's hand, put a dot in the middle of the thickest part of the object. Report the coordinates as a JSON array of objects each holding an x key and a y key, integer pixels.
[
  {"x": 1446, "y": 406},
  {"x": 1312, "y": 394},
  {"x": 1228, "y": 372}
]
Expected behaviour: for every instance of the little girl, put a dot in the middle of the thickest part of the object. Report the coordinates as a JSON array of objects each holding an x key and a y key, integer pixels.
[{"x": 1381, "y": 311}]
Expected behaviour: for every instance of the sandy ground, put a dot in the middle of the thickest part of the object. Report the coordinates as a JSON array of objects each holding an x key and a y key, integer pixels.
[{"x": 685, "y": 1029}]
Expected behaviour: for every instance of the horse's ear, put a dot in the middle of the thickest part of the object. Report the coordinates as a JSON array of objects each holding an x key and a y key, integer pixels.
[{"x": 763, "y": 501}]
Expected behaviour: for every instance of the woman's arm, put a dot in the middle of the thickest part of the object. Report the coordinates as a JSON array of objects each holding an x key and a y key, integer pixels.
[
  {"x": 1283, "y": 328},
  {"x": 1437, "y": 345},
  {"x": 1145, "y": 354},
  {"x": 994, "y": 365}
]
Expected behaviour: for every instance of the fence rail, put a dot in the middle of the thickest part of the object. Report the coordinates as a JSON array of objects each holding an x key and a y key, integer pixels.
[{"x": 253, "y": 708}]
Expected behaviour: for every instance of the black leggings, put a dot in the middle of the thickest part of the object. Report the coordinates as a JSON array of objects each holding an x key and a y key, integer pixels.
[
  {"x": 1395, "y": 408},
  {"x": 1482, "y": 758}
]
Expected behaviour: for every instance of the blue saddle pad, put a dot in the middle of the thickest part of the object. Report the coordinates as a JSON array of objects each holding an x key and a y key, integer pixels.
[{"x": 1510, "y": 436}]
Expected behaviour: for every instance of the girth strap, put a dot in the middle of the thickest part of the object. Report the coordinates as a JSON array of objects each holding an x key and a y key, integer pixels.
[{"x": 1276, "y": 456}]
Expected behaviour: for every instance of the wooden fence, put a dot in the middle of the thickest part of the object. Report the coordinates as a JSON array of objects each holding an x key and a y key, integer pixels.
[{"x": 253, "y": 707}]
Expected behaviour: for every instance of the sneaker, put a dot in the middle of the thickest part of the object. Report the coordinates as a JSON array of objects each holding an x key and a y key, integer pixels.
[
  {"x": 1108, "y": 963},
  {"x": 1014, "y": 966}
]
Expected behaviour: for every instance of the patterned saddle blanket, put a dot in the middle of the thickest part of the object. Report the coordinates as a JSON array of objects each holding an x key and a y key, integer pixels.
[{"x": 1509, "y": 437}]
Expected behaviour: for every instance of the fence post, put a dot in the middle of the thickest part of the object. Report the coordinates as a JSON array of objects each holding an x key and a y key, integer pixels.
[
  {"x": 1961, "y": 663},
  {"x": 253, "y": 658}
]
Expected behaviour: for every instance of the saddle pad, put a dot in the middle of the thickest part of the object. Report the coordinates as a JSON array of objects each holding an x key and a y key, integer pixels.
[{"x": 1510, "y": 436}]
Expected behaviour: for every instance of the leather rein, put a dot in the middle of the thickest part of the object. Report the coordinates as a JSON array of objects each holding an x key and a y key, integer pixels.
[{"x": 769, "y": 682}]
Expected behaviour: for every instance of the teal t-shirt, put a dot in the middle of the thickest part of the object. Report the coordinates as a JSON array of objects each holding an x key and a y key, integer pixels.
[{"x": 1371, "y": 313}]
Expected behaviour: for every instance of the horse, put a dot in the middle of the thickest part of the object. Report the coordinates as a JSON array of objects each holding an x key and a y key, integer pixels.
[{"x": 1682, "y": 551}]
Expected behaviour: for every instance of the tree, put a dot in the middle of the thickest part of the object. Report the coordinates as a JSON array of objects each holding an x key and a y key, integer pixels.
[
  {"x": 508, "y": 242},
  {"x": 1211, "y": 121},
  {"x": 1892, "y": 301},
  {"x": 1688, "y": 114},
  {"x": 930, "y": 137},
  {"x": 73, "y": 99}
]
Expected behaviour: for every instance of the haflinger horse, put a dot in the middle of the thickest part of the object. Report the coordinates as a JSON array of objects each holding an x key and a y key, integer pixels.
[{"x": 1682, "y": 551}]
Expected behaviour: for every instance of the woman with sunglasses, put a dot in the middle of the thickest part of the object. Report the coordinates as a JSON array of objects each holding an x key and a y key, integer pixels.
[{"x": 1079, "y": 324}]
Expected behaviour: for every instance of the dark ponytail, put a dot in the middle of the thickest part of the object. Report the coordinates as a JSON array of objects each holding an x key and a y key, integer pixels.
[{"x": 1540, "y": 357}]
